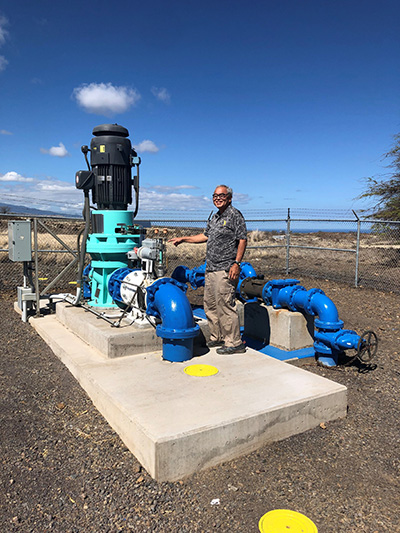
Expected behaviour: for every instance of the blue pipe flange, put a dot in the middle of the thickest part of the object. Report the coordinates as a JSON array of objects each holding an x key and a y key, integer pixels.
[
  {"x": 309, "y": 296},
  {"x": 328, "y": 326},
  {"x": 115, "y": 282},
  {"x": 172, "y": 333},
  {"x": 267, "y": 293},
  {"x": 282, "y": 287},
  {"x": 294, "y": 290},
  {"x": 278, "y": 292}
]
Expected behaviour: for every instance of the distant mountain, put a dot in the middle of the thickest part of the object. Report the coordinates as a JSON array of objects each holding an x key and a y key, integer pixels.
[{"x": 25, "y": 210}]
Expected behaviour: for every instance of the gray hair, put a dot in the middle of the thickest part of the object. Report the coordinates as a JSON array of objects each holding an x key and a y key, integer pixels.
[{"x": 228, "y": 189}]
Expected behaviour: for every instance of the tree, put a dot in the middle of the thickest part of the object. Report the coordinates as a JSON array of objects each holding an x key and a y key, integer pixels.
[
  {"x": 4, "y": 209},
  {"x": 386, "y": 190}
]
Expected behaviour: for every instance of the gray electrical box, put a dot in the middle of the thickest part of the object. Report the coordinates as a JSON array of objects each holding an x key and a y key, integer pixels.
[{"x": 19, "y": 240}]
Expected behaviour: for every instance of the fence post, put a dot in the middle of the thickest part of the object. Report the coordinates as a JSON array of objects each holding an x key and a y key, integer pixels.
[
  {"x": 288, "y": 242},
  {"x": 36, "y": 250},
  {"x": 357, "y": 247}
]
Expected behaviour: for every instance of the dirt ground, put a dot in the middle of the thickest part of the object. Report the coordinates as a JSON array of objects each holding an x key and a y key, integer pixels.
[{"x": 64, "y": 469}]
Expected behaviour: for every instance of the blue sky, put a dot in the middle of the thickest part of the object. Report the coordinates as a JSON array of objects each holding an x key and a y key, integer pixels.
[{"x": 290, "y": 102}]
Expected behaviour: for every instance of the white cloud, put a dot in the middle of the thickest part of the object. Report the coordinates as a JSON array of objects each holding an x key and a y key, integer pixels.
[
  {"x": 14, "y": 176},
  {"x": 3, "y": 63},
  {"x": 105, "y": 98},
  {"x": 161, "y": 94},
  {"x": 3, "y": 31},
  {"x": 168, "y": 188},
  {"x": 56, "y": 151},
  {"x": 151, "y": 200},
  {"x": 240, "y": 198},
  {"x": 5, "y": 132},
  {"x": 45, "y": 193},
  {"x": 3, "y": 38},
  {"x": 49, "y": 193},
  {"x": 55, "y": 186},
  {"x": 146, "y": 146}
]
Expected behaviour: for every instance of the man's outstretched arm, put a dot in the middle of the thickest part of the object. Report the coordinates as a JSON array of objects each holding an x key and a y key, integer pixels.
[{"x": 192, "y": 239}]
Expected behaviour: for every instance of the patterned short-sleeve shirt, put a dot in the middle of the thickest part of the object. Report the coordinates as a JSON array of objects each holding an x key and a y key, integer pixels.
[{"x": 224, "y": 232}]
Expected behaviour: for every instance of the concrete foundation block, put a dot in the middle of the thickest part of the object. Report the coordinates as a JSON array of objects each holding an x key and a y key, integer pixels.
[
  {"x": 281, "y": 328},
  {"x": 129, "y": 339}
]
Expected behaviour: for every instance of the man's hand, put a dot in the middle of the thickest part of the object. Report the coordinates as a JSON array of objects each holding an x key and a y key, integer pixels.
[
  {"x": 176, "y": 240},
  {"x": 234, "y": 272}
]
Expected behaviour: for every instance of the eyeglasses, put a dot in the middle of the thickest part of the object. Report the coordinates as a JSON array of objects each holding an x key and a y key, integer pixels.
[{"x": 219, "y": 196}]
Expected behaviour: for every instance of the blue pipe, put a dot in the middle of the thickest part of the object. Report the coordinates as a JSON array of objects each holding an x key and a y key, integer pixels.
[
  {"x": 330, "y": 339},
  {"x": 246, "y": 271},
  {"x": 166, "y": 299},
  {"x": 194, "y": 276}
]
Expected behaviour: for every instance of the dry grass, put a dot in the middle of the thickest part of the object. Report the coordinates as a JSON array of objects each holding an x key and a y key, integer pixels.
[{"x": 379, "y": 259}]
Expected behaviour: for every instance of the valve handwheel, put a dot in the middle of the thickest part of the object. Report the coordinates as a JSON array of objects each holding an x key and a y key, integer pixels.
[{"x": 367, "y": 346}]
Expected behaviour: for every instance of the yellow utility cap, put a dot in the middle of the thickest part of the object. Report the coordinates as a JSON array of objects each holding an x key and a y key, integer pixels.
[
  {"x": 201, "y": 370},
  {"x": 286, "y": 521}
]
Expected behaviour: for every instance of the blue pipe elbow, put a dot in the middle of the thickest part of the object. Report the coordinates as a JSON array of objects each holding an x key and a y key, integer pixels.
[{"x": 166, "y": 299}]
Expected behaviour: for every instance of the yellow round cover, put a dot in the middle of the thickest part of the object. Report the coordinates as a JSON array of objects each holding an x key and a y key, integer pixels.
[
  {"x": 201, "y": 370},
  {"x": 286, "y": 521}
]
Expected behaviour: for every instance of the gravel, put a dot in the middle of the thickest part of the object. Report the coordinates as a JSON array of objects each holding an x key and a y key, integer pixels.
[{"x": 65, "y": 469}]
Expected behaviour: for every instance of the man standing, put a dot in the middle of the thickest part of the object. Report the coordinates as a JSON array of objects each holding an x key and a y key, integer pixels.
[{"x": 226, "y": 237}]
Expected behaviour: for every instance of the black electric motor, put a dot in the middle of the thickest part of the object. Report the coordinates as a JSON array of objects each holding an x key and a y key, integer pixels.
[{"x": 111, "y": 160}]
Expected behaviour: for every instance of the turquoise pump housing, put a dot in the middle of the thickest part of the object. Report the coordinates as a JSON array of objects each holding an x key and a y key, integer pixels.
[{"x": 108, "y": 250}]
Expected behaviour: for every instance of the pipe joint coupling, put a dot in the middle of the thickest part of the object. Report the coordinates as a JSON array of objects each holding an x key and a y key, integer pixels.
[
  {"x": 271, "y": 291},
  {"x": 179, "y": 334},
  {"x": 328, "y": 326},
  {"x": 309, "y": 296},
  {"x": 293, "y": 291}
]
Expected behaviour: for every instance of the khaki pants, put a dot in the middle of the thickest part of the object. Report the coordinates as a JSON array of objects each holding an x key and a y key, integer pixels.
[{"x": 220, "y": 308}]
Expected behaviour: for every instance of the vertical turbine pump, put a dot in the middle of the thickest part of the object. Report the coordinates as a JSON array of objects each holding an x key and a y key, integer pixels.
[{"x": 109, "y": 178}]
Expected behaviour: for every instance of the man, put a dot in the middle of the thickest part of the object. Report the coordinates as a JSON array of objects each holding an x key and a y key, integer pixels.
[{"x": 226, "y": 237}]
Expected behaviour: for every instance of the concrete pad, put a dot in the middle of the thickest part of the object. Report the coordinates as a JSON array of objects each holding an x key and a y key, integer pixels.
[
  {"x": 176, "y": 424},
  {"x": 111, "y": 342}
]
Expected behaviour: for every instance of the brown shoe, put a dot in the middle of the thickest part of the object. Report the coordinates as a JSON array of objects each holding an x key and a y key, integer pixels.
[
  {"x": 230, "y": 350},
  {"x": 214, "y": 344}
]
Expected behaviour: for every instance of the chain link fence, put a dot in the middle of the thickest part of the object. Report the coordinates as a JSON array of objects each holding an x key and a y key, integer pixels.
[{"x": 356, "y": 251}]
